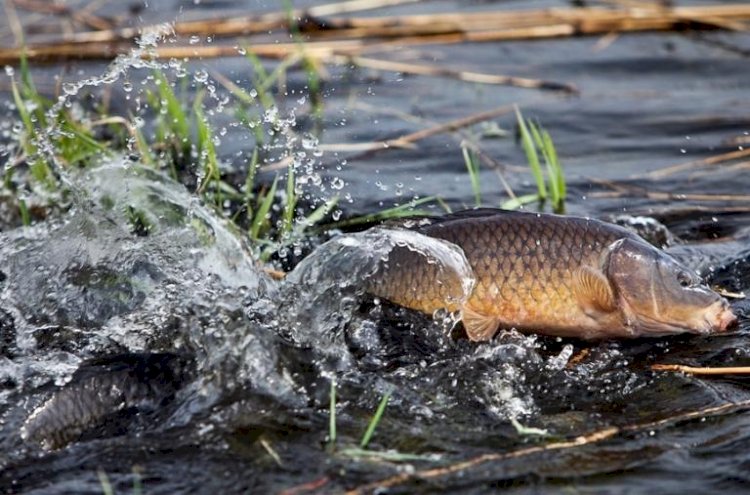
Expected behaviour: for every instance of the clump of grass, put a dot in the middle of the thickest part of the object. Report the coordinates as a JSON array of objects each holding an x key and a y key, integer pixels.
[
  {"x": 536, "y": 141},
  {"x": 49, "y": 137},
  {"x": 538, "y": 147},
  {"x": 179, "y": 138},
  {"x": 361, "y": 451},
  {"x": 175, "y": 134}
]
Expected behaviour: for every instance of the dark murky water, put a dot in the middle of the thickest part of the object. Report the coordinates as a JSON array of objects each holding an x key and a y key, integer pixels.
[{"x": 211, "y": 377}]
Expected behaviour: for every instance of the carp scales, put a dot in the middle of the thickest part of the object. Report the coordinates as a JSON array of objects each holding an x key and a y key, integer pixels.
[{"x": 557, "y": 275}]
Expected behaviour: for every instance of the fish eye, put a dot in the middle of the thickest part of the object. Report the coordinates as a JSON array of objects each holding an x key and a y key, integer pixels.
[{"x": 684, "y": 279}]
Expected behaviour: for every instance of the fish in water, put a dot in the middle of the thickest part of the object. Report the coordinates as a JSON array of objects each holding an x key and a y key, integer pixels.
[
  {"x": 101, "y": 389},
  {"x": 557, "y": 275}
]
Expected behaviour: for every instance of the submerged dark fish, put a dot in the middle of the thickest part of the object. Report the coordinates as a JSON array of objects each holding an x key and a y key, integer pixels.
[
  {"x": 557, "y": 275},
  {"x": 102, "y": 388}
]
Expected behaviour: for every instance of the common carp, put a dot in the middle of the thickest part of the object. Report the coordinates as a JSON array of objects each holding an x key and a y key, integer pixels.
[
  {"x": 101, "y": 389},
  {"x": 557, "y": 275}
]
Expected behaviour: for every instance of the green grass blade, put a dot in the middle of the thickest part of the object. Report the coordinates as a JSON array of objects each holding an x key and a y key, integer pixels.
[
  {"x": 178, "y": 122},
  {"x": 557, "y": 175},
  {"x": 104, "y": 482},
  {"x": 519, "y": 201},
  {"x": 332, "y": 415},
  {"x": 261, "y": 82},
  {"x": 375, "y": 420},
  {"x": 472, "y": 165},
  {"x": 531, "y": 155},
  {"x": 24, "y": 211},
  {"x": 261, "y": 215},
  {"x": 536, "y": 134},
  {"x": 147, "y": 157},
  {"x": 23, "y": 112},
  {"x": 207, "y": 152},
  {"x": 317, "y": 215},
  {"x": 290, "y": 204},
  {"x": 445, "y": 206},
  {"x": 38, "y": 166},
  {"x": 28, "y": 89},
  {"x": 252, "y": 169},
  {"x": 401, "y": 211}
]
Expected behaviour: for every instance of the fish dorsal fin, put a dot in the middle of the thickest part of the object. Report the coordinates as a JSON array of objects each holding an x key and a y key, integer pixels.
[
  {"x": 479, "y": 327},
  {"x": 593, "y": 290}
]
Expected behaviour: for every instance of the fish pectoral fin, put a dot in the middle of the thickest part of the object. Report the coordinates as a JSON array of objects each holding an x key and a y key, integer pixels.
[
  {"x": 593, "y": 290},
  {"x": 479, "y": 327}
]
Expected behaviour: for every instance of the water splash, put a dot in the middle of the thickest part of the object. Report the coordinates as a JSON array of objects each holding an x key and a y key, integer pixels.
[{"x": 324, "y": 289}]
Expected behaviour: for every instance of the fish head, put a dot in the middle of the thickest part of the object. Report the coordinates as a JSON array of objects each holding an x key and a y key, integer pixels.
[{"x": 659, "y": 296}]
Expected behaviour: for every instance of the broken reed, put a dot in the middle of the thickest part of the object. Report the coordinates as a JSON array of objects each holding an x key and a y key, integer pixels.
[{"x": 354, "y": 36}]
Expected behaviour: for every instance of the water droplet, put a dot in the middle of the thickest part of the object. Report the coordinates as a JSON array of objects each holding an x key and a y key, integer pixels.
[
  {"x": 127, "y": 86},
  {"x": 70, "y": 89},
  {"x": 9, "y": 71},
  {"x": 194, "y": 40},
  {"x": 201, "y": 76}
]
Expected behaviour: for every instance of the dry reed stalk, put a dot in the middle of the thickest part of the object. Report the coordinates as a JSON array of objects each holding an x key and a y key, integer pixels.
[
  {"x": 83, "y": 16},
  {"x": 493, "y": 164},
  {"x": 412, "y": 29},
  {"x": 310, "y": 486},
  {"x": 712, "y": 160},
  {"x": 366, "y": 147},
  {"x": 54, "y": 53},
  {"x": 605, "y": 42},
  {"x": 729, "y": 294},
  {"x": 240, "y": 26},
  {"x": 622, "y": 190},
  {"x": 467, "y": 76},
  {"x": 641, "y": 192},
  {"x": 578, "y": 358},
  {"x": 691, "y": 370},
  {"x": 274, "y": 274},
  {"x": 598, "y": 436},
  {"x": 15, "y": 24},
  {"x": 728, "y": 169},
  {"x": 738, "y": 140},
  {"x": 409, "y": 139}
]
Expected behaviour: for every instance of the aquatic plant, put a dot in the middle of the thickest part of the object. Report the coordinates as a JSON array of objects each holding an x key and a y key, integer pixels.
[
  {"x": 375, "y": 420},
  {"x": 361, "y": 451},
  {"x": 182, "y": 142},
  {"x": 535, "y": 140}
]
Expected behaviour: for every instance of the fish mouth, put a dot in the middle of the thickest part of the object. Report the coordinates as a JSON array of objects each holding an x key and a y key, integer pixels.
[
  {"x": 720, "y": 317},
  {"x": 717, "y": 318},
  {"x": 647, "y": 326}
]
